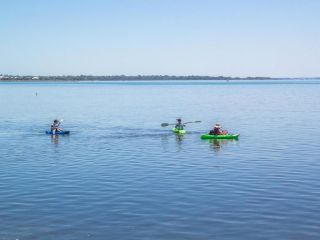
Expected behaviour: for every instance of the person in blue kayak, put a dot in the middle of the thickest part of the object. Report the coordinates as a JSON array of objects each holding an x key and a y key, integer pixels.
[
  {"x": 179, "y": 124},
  {"x": 55, "y": 126},
  {"x": 217, "y": 130}
]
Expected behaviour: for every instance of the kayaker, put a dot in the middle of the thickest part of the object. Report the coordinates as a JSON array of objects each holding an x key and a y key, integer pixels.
[
  {"x": 55, "y": 126},
  {"x": 217, "y": 130},
  {"x": 179, "y": 124}
]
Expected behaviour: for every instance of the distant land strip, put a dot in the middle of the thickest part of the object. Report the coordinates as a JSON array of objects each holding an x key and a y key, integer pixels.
[{"x": 129, "y": 78}]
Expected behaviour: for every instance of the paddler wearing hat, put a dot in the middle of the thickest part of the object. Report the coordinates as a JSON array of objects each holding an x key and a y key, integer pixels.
[{"x": 217, "y": 130}]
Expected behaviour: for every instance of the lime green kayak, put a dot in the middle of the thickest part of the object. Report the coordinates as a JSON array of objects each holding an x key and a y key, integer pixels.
[
  {"x": 229, "y": 136},
  {"x": 178, "y": 131}
]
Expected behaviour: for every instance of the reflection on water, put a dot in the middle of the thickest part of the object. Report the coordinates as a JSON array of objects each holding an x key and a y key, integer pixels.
[
  {"x": 55, "y": 139},
  {"x": 218, "y": 144},
  {"x": 167, "y": 138},
  {"x": 179, "y": 138}
]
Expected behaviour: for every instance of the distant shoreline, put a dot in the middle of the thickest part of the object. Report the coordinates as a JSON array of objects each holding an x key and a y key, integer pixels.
[{"x": 79, "y": 78}]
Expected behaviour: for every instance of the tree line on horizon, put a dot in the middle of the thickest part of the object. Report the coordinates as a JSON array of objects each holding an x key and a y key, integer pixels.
[{"x": 120, "y": 77}]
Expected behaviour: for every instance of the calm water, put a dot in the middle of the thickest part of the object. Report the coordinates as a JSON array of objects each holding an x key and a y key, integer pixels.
[{"x": 119, "y": 175}]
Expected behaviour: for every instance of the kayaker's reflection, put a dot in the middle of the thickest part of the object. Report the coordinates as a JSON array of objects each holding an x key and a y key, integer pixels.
[
  {"x": 55, "y": 139},
  {"x": 179, "y": 138},
  {"x": 218, "y": 143}
]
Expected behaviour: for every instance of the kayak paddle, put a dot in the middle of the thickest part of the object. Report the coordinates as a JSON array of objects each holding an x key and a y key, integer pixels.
[
  {"x": 192, "y": 122},
  {"x": 167, "y": 124}
]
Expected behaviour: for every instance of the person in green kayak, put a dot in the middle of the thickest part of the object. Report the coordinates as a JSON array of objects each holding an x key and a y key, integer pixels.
[
  {"x": 217, "y": 130},
  {"x": 55, "y": 126},
  {"x": 179, "y": 124}
]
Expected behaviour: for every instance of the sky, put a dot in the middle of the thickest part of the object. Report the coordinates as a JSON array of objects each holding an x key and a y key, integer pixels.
[{"x": 273, "y": 38}]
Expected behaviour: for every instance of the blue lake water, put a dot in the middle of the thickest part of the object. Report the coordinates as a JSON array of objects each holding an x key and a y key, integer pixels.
[{"x": 120, "y": 175}]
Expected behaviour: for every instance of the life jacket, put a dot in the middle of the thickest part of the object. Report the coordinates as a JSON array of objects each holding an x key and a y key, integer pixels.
[
  {"x": 55, "y": 125},
  {"x": 216, "y": 131},
  {"x": 179, "y": 126}
]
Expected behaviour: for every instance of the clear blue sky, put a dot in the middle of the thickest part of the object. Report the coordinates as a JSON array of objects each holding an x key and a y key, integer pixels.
[{"x": 274, "y": 38}]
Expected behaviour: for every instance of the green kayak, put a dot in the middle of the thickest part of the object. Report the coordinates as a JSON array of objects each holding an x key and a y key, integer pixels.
[
  {"x": 229, "y": 136},
  {"x": 178, "y": 131}
]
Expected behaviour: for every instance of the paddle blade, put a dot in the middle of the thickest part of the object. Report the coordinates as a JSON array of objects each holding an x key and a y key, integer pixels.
[
  {"x": 192, "y": 122},
  {"x": 164, "y": 124}
]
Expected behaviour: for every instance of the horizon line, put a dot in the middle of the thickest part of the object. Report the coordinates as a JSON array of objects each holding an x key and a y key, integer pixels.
[{"x": 148, "y": 75}]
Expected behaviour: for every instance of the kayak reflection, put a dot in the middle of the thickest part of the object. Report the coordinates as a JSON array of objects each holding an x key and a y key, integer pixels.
[
  {"x": 55, "y": 139},
  {"x": 218, "y": 144},
  {"x": 179, "y": 138}
]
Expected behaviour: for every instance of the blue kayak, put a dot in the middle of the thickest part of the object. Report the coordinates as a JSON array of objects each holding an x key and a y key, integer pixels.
[{"x": 58, "y": 132}]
